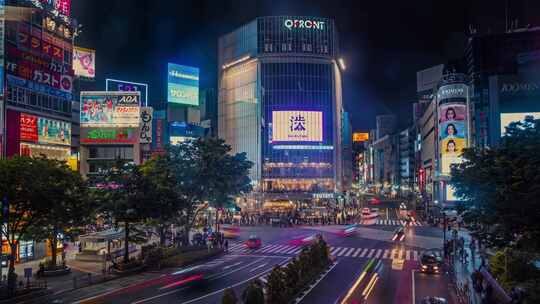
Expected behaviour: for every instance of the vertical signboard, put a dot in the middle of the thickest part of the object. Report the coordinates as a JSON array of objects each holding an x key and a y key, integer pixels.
[
  {"x": 84, "y": 62},
  {"x": 2, "y": 16},
  {"x": 183, "y": 85},
  {"x": 145, "y": 129},
  {"x": 453, "y": 124}
]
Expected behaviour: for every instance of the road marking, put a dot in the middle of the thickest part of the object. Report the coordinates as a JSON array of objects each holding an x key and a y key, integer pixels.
[
  {"x": 218, "y": 276},
  {"x": 290, "y": 250},
  {"x": 364, "y": 253},
  {"x": 378, "y": 255},
  {"x": 413, "y": 290},
  {"x": 298, "y": 300},
  {"x": 262, "y": 265},
  {"x": 276, "y": 249},
  {"x": 342, "y": 251},
  {"x": 408, "y": 255},
  {"x": 385, "y": 255},
  {"x": 415, "y": 255},
  {"x": 349, "y": 252},
  {"x": 371, "y": 253},
  {"x": 230, "y": 266},
  {"x": 355, "y": 254},
  {"x": 297, "y": 250}
]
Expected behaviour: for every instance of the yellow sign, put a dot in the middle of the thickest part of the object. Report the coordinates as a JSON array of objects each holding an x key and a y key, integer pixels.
[{"x": 360, "y": 136}]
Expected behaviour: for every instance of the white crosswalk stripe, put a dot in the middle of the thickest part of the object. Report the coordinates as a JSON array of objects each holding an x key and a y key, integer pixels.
[
  {"x": 415, "y": 253},
  {"x": 355, "y": 254},
  {"x": 349, "y": 252},
  {"x": 341, "y": 251},
  {"x": 407, "y": 255},
  {"x": 397, "y": 223},
  {"x": 371, "y": 253},
  {"x": 364, "y": 252},
  {"x": 386, "y": 253},
  {"x": 333, "y": 250},
  {"x": 378, "y": 255}
]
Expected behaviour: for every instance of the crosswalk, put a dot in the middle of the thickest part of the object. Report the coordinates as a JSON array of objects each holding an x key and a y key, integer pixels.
[
  {"x": 350, "y": 252},
  {"x": 396, "y": 223}
]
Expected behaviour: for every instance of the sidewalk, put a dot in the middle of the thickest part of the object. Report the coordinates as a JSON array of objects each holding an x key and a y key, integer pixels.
[{"x": 463, "y": 271}]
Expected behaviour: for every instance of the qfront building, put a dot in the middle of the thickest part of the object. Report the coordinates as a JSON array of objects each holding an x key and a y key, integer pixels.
[{"x": 280, "y": 102}]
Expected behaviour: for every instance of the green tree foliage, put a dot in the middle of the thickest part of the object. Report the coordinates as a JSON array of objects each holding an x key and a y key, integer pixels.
[
  {"x": 126, "y": 198},
  {"x": 253, "y": 294},
  {"x": 44, "y": 198},
  {"x": 501, "y": 188},
  {"x": 69, "y": 207},
  {"x": 205, "y": 173}
]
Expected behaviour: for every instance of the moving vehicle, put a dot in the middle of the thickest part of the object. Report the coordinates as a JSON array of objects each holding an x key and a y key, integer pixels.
[
  {"x": 254, "y": 242},
  {"x": 374, "y": 201},
  {"x": 434, "y": 300},
  {"x": 230, "y": 232},
  {"x": 430, "y": 263}
]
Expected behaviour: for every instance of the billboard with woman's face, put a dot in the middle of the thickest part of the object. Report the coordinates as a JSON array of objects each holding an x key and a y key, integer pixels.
[{"x": 453, "y": 127}]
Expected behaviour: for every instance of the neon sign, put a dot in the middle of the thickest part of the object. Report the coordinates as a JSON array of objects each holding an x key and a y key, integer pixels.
[{"x": 304, "y": 24}]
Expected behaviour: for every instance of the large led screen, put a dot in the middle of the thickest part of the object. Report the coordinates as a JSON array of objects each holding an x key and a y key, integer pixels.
[
  {"x": 183, "y": 85},
  {"x": 304, "y": 126},
  {"x": 110, "y": 109},
  {"x": 508, "y": 118},
  {"x": 452, "y": 134}
]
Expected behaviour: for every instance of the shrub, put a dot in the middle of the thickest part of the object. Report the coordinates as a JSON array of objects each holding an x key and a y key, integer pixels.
[
  {"x": 276, "y": 289},
  {"x": 253, "y": 294},
  {"x": 229, "y": 297}
]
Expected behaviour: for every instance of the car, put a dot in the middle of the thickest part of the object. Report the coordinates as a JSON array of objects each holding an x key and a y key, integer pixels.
[
  {"x": 434, "y": 300},
  {"x": 230, "y": 232},
  {"x": 430, "y": 262},
  {"x": 399, "y": 234},
  {"x": 374, "y": 201},
  {"x": 253, "y": 242}
]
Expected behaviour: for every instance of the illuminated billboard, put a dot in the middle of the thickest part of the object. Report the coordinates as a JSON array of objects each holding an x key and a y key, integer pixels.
[
  {"x": 108, "y": 135},
  {"x": 44, "y": 130},
  {"x": 110, "y": 109},
  {"x": 303, "y": 126},
  {"x": 453, "y": 125},
  {"x": 84, "y": 62},
  {"x": 508, "y": 118},
  {"x": 183, "y": 85},
  {"x": 128, "y": 86},
  {"x": 360, "y": 136}
]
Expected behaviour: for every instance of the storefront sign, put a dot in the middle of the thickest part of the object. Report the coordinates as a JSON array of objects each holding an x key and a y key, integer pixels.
[
  {"x": 323, "y": 195},
  {"x": 28, "y": 128},
  {"x": 145, "y": 131},
  {"x": 360, "y": 136},
  {"x": 304, "y": 24},
  {"x": 108, "y": 135},
  {"x": 40, "y": 88}
]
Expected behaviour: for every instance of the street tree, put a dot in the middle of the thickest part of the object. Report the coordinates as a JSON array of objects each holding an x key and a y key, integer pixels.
[
  {"x": 68, "y": 206},
  {"x": 26, "y": 185},
  {"x": 205, "y": 173},
  {"x": 501, "y": 188},
  {"x": 125, "y": 198}
]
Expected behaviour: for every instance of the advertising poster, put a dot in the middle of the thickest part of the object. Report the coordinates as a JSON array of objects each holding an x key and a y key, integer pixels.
[
  {"x": 299, "y": 126},
  {"x": 84, "y": 62},
  {"x": 145, "y": 130},
  {"x": 51, "y": 131},
  {"x": 110, "y": 109},
  {"x": 28, "y": 128},
  {"x": 183, "y": 84},
  {"x": 360, "y": 136},
  {"x": 452, "y": 134},
  {"x": 508, "y": 118}
]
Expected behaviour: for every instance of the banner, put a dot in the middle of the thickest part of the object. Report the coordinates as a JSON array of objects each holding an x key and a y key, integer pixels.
[
  {"x": 145, "y": 131},
  {"x": 44, "y": 130},
  {"x": 110, "y": 109},
  {"x": 84, "y": 62}
]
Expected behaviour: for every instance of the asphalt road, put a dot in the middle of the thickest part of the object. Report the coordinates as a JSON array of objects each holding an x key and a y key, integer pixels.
[{"x": 369, "y": 265}]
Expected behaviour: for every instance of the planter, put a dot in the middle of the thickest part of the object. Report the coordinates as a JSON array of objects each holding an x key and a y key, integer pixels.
[
  {"x": 127, "y": 271},
  {"x": 189, "y": 257}
]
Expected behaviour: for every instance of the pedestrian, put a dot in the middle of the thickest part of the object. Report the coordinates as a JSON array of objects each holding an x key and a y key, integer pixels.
[{"x": 227, "y": 246}]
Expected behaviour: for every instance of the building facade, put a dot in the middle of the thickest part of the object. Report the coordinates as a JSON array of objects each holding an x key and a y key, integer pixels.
[{"x": 280, "y": 101}]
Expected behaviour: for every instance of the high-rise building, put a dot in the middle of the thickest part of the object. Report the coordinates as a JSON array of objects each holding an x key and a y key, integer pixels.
[
  {"x": 36, "y": 69},
  {"x": 386, "y": 124},
  {"x": 280, "y": 102}
]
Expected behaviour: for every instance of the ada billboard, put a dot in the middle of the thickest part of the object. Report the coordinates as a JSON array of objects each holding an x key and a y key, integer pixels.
[
  {"x": 508, "y": 118},
  {"x": 302, "y": 126},
  {"x": 453, "y": 125},
  {"x": 128, "y": 86},
  {"x": 183, "y": 85},
  {"x": 44, "y": 130},
  {"x": 110, "y": 109},
  {"x": 84, "y": 62}
]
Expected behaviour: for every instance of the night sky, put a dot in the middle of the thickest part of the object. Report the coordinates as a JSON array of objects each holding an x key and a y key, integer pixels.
[{"x": 384, "y": 43}]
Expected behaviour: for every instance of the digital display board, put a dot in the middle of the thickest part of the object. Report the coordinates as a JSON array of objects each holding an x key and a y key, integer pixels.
[
  {"x": 508, "y": 118},
  {"x": 452, "y": 125},
  {"x": 108, "y": 135},
  {"x": 183, "y": 85},
  {"x": 44, "y": 130},
  {"x": 110, "y": 109},
  {"x": 300, "y": 126},
  {"x": 360, "y": 136},
  {"x": 84, "y": 62},
  {"x": 128, "y": 86}
]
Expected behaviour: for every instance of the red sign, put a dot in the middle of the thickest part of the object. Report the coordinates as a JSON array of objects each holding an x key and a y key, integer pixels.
[
  {"x": 29, "y": 127},
  {"x": 159, "y": 142}
]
